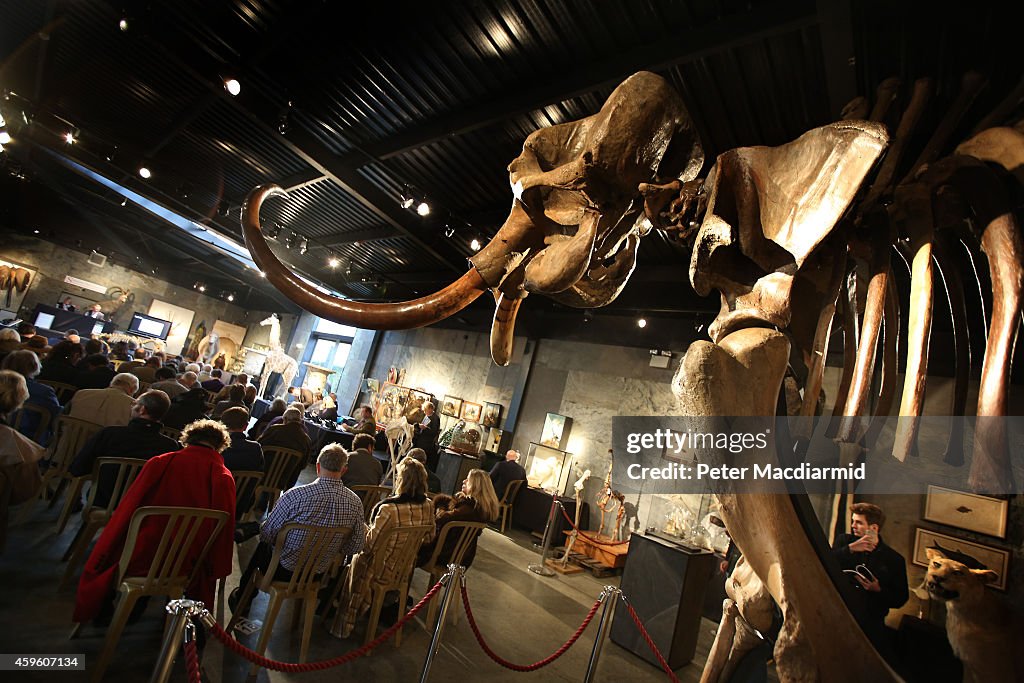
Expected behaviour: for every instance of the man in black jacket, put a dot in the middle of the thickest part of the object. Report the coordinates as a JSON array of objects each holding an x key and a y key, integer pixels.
[
  {"x": 878, "y": 572},
  {"x": 187, "y": 407},
  {"x": 427, "y": 432},
  {"x": 242, "y": 454},
  {"x": 140, "y": 438},
  {"x": 506, "y": 472}
]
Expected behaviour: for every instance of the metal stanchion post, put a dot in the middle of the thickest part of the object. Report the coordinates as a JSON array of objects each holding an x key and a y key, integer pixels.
[
  {"x": 455, "y": 576},
  {"x": 180, "y": 610},
  {"x": 542, "y": 568},
  {"x": 609, "y": 595}
]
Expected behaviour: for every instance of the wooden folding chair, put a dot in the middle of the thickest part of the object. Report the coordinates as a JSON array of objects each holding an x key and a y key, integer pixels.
[
  {"x": 508, "y": 499},
  {"x": 44, "y": 420},
  {"x": 124, "y": 471},
  {"x": 466, "y": 534},
  {"x": 169, "y": 572},
  {"x": 319, "y": 547}
]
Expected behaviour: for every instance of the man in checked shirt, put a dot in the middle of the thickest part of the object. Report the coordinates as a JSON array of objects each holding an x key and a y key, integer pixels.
[{"x": 324, "y": 502}]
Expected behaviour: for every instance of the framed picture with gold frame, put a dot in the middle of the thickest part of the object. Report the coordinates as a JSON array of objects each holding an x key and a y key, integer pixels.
[
  {"x": 451, "y": 406},
  {"x": 492, "y": 414},
  {"x": 471, "y": 411}
]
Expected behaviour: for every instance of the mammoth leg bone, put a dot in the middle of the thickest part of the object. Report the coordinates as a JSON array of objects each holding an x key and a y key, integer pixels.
[
  {"x": 741, "y": 375},
  {"x": 890, "y": 360}
]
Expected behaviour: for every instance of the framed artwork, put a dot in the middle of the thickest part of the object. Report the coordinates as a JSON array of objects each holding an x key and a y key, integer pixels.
[
  {"x": 556, "y": 431},
  {"x": 471, "y": 411},
  {"x": 492, "y": 414},
  {"x": 451, "y": 406},
  {"x": 967, "y": 511},
  {"x": 974, "y": 555},
  {"x": 15, "y": 280},
  {"x": 181, "y": 322},
  {"x": 390, "y": 403}
]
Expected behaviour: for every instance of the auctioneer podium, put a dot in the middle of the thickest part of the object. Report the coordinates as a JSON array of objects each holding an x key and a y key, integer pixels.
[{"x": 665, "y": 582}]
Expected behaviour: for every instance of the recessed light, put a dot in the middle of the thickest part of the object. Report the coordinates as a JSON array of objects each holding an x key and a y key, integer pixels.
[
  {"x": 144, "y": 172},
  {"x": 641, "y": 322},
  {"x": 232, "y": 86}
]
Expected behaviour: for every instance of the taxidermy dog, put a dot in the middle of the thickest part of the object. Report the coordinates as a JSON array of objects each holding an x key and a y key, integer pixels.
[{"x": 979, "y": 627}]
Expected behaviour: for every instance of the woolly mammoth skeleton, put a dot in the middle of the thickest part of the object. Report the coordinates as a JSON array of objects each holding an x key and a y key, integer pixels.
[{"x": 779, "y": 233}]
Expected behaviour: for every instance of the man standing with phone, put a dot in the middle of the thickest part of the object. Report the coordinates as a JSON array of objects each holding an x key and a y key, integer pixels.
[{"x": 878, "y": 571}]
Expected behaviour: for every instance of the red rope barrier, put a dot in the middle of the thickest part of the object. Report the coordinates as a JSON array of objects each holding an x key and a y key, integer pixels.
[
  {"x": 536, "y": 665},
  {"x": 588, "y": 537},
  {"x": 650, "y": 643},
  {"x": 256, "y": 658},
  {"x": 192, "y": 662}
]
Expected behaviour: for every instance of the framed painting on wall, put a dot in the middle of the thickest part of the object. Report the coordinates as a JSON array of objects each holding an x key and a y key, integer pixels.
[
  {"x": 966, "y": 511},
  {"x": 451, "y": 406},
  {"x": 390, "y": 403},
  {"x": 492, "y": 414},
  {"x": 974, "y": 555},
  {"x": 471, "y": 411},
  {"x": 181, "y": 322},
  {"x": 556, "y": 431},
  {"x": 15, "y": 279}
]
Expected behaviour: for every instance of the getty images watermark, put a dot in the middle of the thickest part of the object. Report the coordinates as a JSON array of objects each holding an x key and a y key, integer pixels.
[{"x": 671, "y": 455}]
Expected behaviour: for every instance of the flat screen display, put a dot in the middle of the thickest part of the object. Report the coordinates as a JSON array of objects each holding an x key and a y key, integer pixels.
[
  {"x": 44, "y": 320},
  {"x": 148, "y": 326}
]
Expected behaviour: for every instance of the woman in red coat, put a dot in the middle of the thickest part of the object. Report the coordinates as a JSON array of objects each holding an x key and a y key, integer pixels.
[{"x": 195, "y": 477}]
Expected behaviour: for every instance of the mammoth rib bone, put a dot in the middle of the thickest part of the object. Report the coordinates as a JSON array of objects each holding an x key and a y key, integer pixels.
[
  {"x": 890, "y": 356},
  {"x": 954, "y": 287}
]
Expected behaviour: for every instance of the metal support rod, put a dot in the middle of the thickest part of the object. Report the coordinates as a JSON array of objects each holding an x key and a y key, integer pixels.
[
  {"x": 549, "y": 531},
  {"x": 610, "y": 595},
  {"x": 180, "y": 611},
  {"x": 455, "y": 577}
]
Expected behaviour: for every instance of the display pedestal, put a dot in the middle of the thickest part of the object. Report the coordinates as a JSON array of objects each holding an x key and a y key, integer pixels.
[
  {"x": 453, "y": 468},
  {"x": 665, "y": 583},
  {"x": 316, "y": 377},
  {"x": 613, "y": 556}
]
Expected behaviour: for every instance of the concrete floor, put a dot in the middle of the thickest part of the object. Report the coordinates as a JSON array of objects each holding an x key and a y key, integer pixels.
[{"x": 522, "y": 616}]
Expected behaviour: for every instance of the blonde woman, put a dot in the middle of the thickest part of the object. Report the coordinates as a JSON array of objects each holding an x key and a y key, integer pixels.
[
  {"x": 19, "y": 474},
  {"x": 409, "y": 506},
  {"x": 477, "y": 502}
]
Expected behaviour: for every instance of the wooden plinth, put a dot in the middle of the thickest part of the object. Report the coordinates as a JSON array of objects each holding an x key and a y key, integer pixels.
[{"x": 613, "y": 556}]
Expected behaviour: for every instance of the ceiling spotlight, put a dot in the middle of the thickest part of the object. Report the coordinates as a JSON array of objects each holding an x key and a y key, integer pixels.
[
  {"x": 231, "y": 296},
  {"x": 201, "y": 287},
  {"x": 123, "y": 24},
  {"x": 641, "y": 322},
  {"x": 587, "y": 316},
  {"x": 145, "y": 173},
  {"x": 449, "y": 231},
  {"x": 273, "y": 231},
  {"x": 232, "y": 86},
  {"x": 423, "y": 208},
  {"x": 475, "y": 244},
  {"x": 124, "y": 202},
  {"x": 69, "y": 138},
  {"x": 333, "y": 262},
  {"x": 284, "y": 120},
  {"x": 5, "y": 137},
  {"x": 223, "y": 209},
  {"x": 407, "y": 202},
  {"x": 303, "y": 246},
  {"x": 35, "y": 232}
]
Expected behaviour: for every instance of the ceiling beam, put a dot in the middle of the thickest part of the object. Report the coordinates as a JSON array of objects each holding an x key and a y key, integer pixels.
[
  {"x": 380, "y": 232},
  {"x": 304, "y": 178},
  {"x": 684, "y": 46}
]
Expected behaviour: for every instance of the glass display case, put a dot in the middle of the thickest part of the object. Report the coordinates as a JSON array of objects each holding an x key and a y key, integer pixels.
[
  {"x": 681, "y": 518},
  {"x": 548, "y": 468}
]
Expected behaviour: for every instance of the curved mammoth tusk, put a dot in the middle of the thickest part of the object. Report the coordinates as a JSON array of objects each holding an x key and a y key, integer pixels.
[
  {"x": 392, "y": 316},
  {"x": 502, "y": 329}
]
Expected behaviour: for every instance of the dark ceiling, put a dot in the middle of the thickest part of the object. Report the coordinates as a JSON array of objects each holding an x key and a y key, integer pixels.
[{"x": 350, "y": 109}]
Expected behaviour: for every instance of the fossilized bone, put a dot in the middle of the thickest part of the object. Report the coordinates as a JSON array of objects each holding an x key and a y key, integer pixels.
[
  {"x": 747, "y": 614},
  {"x": 772, "y": 240}
]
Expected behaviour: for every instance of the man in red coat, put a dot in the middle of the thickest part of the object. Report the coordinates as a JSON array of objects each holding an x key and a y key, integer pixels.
[{"x": 196, "y": 477}]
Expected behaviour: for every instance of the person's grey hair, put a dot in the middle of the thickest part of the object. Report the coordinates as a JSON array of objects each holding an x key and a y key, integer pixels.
[
  {"x": 24, "y": 362},
  {"x": 518, "y": 455},
  {"x": 156, "y": 403},
  {"x": 192, "y": 367},
  {"x": 13, "y": 390},
  {"x": 292, "y": 415},
  {"x": 427, "y": 403},
  {"x": 333, "y": 458},
  {"x": 279, "y": 404},
  {"x": 190, "y": 377},
  {"x": 9, "y": 334},
  {"x": 125, "y": 380}
]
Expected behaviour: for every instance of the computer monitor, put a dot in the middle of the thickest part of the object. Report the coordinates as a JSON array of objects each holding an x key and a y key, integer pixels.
[
  {"x": 97, "y": 328},
  {"x": 147, "y": 326},
  {"x": 44, "y": 321}
]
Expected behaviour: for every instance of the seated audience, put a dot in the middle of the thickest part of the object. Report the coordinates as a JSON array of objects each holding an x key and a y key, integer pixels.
[
  {"x": 167, "y": 382},
  {"x": 146, "y": 372},
  {"x": 138, "y": 359},
  {"x": 363, "y": 468},
  {"x": 107, "y": 407},
  {"x": 324, "y": 502},
  {"x": 119, "y": 351},
  {"x": 194, "y": 476},
  {"x": 408, "y": 507},
  {"x": 188, "y": 406},
  {"x": 73, "y": 337},
  {"x": 38, "y": 345},
  {"x": 59, "y": 365},
  {"x": 289, "y": 434},
  {"x": 10, "y": 340},
  {"x": 91, "y": 346},
  {"x": 213, "y": 385},
  {"x": 250, "y": 396},
  {"x": 94, "y": 372},
  {"x": 19, "y": 456},
  {"x": 506, "y": 472},
  {"x": 276, "y": 409},
  {"x": 203, "y": 373},
  {"x": 475, "y": 503},
  {"x": 433, "y": 481},
  {"x": 242, "y": 454},
  {"x": 140, "y": 438},
  {"x": 236, "y": 396},
  {"x": 366, "y": 424},
  {"x": 26, "y": 364}
]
